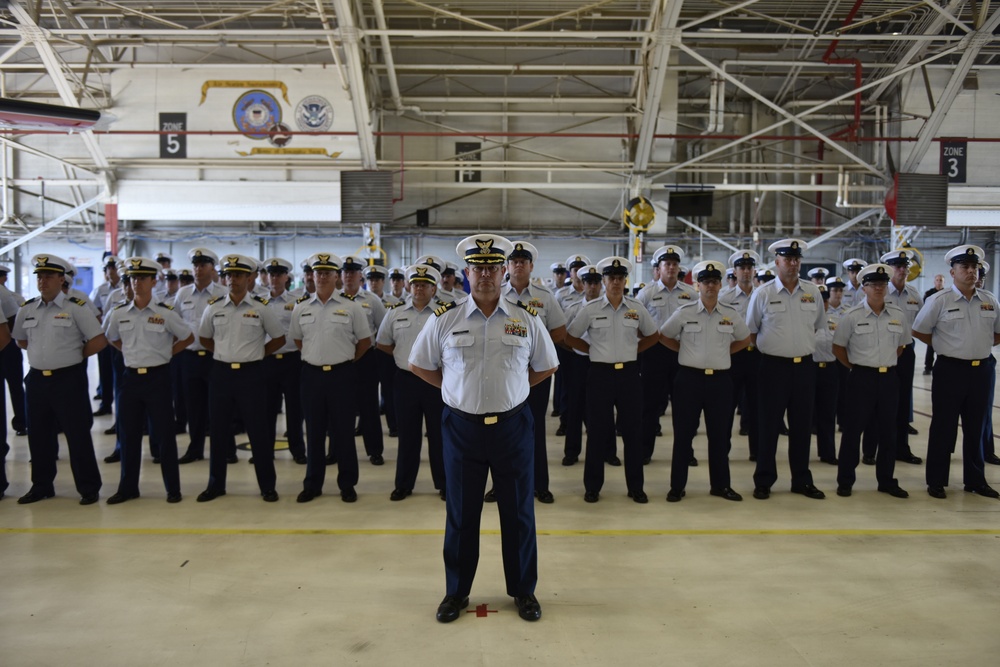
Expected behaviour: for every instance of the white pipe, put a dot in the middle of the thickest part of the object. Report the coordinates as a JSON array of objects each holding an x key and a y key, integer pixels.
[
  {"x": 52, "y": 223},
  {"x": 390, "y": 63}
]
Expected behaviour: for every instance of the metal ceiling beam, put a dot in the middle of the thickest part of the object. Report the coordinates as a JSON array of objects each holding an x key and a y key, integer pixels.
[
  {"x": 976, "y": 41},
  {"x": 52, "y": 223},
  {"x": 351, "y": 41}
]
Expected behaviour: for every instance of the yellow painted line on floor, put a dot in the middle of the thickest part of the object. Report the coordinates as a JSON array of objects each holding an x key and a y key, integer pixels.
[{"x": 677, "y": 532}]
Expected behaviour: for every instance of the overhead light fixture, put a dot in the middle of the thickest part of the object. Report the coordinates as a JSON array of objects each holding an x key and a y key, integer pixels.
[{"x": 22, "y": 115}]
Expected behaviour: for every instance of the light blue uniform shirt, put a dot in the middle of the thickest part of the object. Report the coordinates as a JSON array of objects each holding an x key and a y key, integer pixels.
[
  {"x": 56, "y": 332},
  {"x": 283, "y": 305},
  {"x": 373, "y": 308},
  {"x": 824, "y": 335},
  {"x": 705, "y": 336},
  {"x": 147, "y": 334},
  {"x": 239, "y": 330},
  {"x": 735, "y": 297},
  {"x": 572, "y": 312},
  {"x": 961, "y": 328},
  {"x": 614, "y": 333},
  {"x": 661, "y": 301},
  {"x": 907, "y": 300},
  {"x": 870, "y": 339},
  {"x": 484, "y": 361},
  {"x": 329, "y": 331},
  {"x": 786, "y": 322},
  {"x": 400, "y": 328},
  {"x": 541, "y": 300},
  {"x": 191, "y": 303}
]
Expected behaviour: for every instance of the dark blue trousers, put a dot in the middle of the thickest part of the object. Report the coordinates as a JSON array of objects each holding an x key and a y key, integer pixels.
[
  {"x": 905, "y": 365},
  {"x": 235, "y": 391},
  {"x": 711, "y": 394},
  {"x": 472, "y": 450},
  {"x": 12, "y": 365},
  {"x": 177, "y": 382},
  {"x": 959, "y": 389},
  {"x": 874, "y": 398},
  {"x": 613, "y": 389},
  {"x": 538, "y": 402},
  {"x": 146, "y": 398},
  {"x": 827, "y": 390},
  {"x": 386, "y": 381},
  {"x": 328, "y": 405},
  {"x": 196, "y": 374},
  {"x": 417, "y": 402},
  {"x": 283, "y": 378},
  {"x": 658, "y": 368},
  {"x": 366, "y": 402},
  {"x": 745, "y": 368},
  {"x": 989, "y": 447},
  {"x": 61, "y": 402},
  {"x": 106, "y": 373},
  {"x": 574, "y": 371},
  {"x": 784, "y": 385}
]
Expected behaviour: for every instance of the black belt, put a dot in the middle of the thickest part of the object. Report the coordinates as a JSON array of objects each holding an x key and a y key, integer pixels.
[
  {"x": 237, "y": 365},
  {"x": 56, "y": 371},
  {"x": 326, "y": 368},
  {"x": 198, "y": 353},
  {"x": 789, "y": 360},
  {"x": 489, "y": 419},
  {"x": 285, "y": 356},
  {"x": 617, "y": 365},
  {"x": 963, "y": 362},
  {"x": 873, "y": 369},
  {"x": 704, "y": 371},
  {"x": 144, "y": 370}
]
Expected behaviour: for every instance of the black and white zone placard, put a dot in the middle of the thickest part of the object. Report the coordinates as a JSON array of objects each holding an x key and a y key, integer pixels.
[
  {"x": 173, "y": 141},
  {"x": 954, "y": 156}
]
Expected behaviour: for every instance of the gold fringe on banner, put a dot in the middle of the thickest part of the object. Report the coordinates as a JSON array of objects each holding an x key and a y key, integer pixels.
[
  {"x": 242, "y": 84},
  {"x": 289, "y": 151}
]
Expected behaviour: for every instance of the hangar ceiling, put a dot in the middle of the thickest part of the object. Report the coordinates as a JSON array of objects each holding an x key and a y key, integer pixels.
[{"x": 790, "y": 112}]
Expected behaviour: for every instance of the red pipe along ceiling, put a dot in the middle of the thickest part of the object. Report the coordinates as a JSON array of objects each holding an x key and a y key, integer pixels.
[{"x": 851, "y": 131}]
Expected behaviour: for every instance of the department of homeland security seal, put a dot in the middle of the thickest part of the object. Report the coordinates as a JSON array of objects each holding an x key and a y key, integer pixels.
[
  {"x": 313, "y": 114},
  {"x": 255, "y": 112}
]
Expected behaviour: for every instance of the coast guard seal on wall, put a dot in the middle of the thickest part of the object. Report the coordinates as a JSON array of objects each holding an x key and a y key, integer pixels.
[
  {"x": 255, "y": 112},
  {"x": 314, "y": 114}
]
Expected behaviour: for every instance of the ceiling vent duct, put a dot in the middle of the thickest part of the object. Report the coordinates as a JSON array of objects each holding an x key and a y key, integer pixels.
[
  {"x": 365, "y": 197},
  {"x": 921, "y": 200}
]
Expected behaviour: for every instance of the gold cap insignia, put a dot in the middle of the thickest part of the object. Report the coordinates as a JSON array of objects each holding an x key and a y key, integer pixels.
[
  {"x": 485, "y": 245},
  {"x": 323, "y": 257},
  {"x": 232, "y": 261},
  {"x": 970, "y": 251},
  {"x": 42, "y": 260},
  {"x": 746, "y": 255},
  {"x": 795, "y": 245},
  {"x": 880, "y": 270},
  {"x": 616, "y": 263},
  {"x": 136, "y": 263},
  {"x": 710, "y": 267},
  {"x": 274, "y": 262},
  {"x": 421, "y": 271},
  {"x": 518, "y": 247}
]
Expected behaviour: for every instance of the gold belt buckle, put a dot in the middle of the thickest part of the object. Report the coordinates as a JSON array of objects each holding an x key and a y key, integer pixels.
[
  {"x": 822, "y": 364},
  {"x": 975, "y": 362},
  {"x": 142, "y": 371},
  {"x": 202, "y": 353},
  {"x": 490, "y": 420},
  {"x": 279, "y": 356},
  {"x": 235, "y": 367},
  {"x": 619, "y": 366},
  {"x": 883, "y": 369},
  {"x": 327, "y": 368},
  {"x": 750, "y": 348},
  {"x": 796, "y": 360},
  {"x": 709, "y": 371},
  {"x": 47, "y": 373}
]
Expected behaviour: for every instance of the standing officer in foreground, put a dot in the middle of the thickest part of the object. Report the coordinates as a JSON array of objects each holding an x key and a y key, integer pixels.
[
  {"x": 485, "y": 353},
  {"x": 704, "y": 334},
  {"x": 868, "y": 340},
  {"x": 619, "y": 328},
  {"x": 962, "y": 323},
  {"x": 234, "y": 328},
  {"x": 59, "y": 333},
  {"x": 783, "y": 317},
  {"x": 148, "y": 335}
]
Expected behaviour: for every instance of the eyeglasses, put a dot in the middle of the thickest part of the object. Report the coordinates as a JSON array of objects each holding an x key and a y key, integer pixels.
[{"x": 486, "y": 268}]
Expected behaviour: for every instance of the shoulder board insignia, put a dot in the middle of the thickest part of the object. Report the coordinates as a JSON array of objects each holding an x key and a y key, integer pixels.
[
  {"x": 390, "y": 306},
  {"x": 78, "y": 301},
  {"x": 444, "y": 308},
  {"x": 31, "y": 300},
  {"x": 348, "y": 297},
  {"x": 531, "y": 311},
  {"x": 218, "y": 298},
  {"x": 304, "y": 297},
  {"x": 165, "y": 305},
  {"x": 121, "y": 305},
  {"x": 261, "y": 299}
]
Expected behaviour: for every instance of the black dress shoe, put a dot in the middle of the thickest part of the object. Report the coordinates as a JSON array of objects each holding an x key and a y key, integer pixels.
[
  {"x": 301, "y": 460},
  {"x": 450, "y": 608},
  {"x": 122, "y": 497},
  {"x": 490, "y": 497},
  {"x": 111, "y": 431},
  {"x": 782, "y": 430},
  {"x": 760, "y": 493},
  {"x": 376, "y": 459},
  {"x": 306, "y": 496},
  {"x": 753, "y": 457},
  {"x": 442, "y": 494},
  {"x": 209, "y": 494},
  {"x": 399, "y": 494},
  {"x": 992, "y": 459},
  {"x": 693, "y": 462},
  {"x": 984, "y": 490},
  {"x": 90, "y": 499},
  {"x": 726, "y": 493},
  {"x": 844, "y": 491},
  {"x": 232, "y": 458},
  {"x": 156, "y": 460},
  {"x": 911, "y": 430},
  {"x": 832, "y": 460},
  {"x": 895, "y": 492},
  {"x": 638, "y": 497},
  {"x": 809, "y": 491},
  {"x": 270, "y": 496},
  {"x": 646, "y": 461},
  {"x": 570, "y": 460},
  {"x": 528, "y": 607},
  {"x": 927, "y": 371},
  {"x": 743, "y": 431},
  {"x": 21, "y": 431},
  {"x": 33, "y": 497},
  {"x": 190, "y": 458},
  {"x": 555, "y": 413},
  {"x": 910, "y": 458},
  {"x": 659, "y": 432},
  {"x": 180, "y": 428},
  {"x": 174, "y": 497},
  {"x": 936, "y": 492},
  {"x": 357, "y": 431},
  {"x": 349, "y": 495},
  {"x": 100, "y": 412},
  {"x": 393, "y": 433},
  {"x": 114, "y": 457},
  {"x": 331, "y": 459},
  {"x": 591, "y": 496},
  {"x": 613, "y": 460},
  {"x": 545, "y": 497},
  {"x": 561, "y": 430},
  {"x": 868, "y": 460},
  {"x": 674, "y": 496}
]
